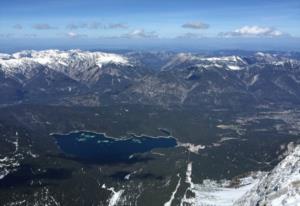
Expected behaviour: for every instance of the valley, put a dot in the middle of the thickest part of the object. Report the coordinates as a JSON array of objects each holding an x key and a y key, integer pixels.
[{"x": 232, "y": 144}]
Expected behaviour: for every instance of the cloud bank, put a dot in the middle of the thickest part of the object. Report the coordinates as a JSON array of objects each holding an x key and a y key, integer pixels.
[{"x": 253, "y": 31}]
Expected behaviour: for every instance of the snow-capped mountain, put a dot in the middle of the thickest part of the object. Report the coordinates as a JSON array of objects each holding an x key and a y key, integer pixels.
[
  {"x": 73, "y": 63},
  {"x": 187, "y": 59},
  {"x": 162, "y": 78},
  {"x": 275, "y": 59},
  {"x": 231, "y": 62}
]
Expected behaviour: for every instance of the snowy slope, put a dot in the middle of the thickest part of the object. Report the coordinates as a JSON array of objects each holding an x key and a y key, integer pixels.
[
  {"x": 74, "y": 63},
  {"x": 226, "y": 62},
  {"x": 279, "y": 187}
]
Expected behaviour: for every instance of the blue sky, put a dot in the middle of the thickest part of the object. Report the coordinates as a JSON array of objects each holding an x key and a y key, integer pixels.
[{"x": 71, "y": 23}]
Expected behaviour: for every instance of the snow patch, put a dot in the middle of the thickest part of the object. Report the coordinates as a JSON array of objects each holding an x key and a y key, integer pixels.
[
  {"x": 191, "y": 147},
  {"x": 254, "y": 79},
  {"x": 234, "y": 67},
  {"x": 116, "y": 196},
  {"x": 188, "y": 179},
  {"x": 173, "y": 193}
]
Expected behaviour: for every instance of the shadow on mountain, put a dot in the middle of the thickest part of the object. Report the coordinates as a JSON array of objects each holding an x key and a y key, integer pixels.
[
  {"x": 25, "y": 175},
  {"x": 103, "y": 160}
]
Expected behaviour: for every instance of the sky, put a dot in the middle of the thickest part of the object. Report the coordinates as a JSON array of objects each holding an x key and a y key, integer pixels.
[{"x": 155, "y": 24}]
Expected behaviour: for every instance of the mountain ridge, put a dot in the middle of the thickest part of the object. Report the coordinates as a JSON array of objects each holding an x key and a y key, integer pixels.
[{"x": 164, "y": 79}]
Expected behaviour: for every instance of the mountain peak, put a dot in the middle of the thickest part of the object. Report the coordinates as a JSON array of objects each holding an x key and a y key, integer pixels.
[{"x": 71, "y": 62}]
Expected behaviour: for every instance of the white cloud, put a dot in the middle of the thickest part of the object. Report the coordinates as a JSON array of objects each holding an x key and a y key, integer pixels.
[
  {"x": 75, "y": 35},
  {"x": 195, "y": 25},
  {"x": 140, "y": 33},
  {"x": 253, "y": 31}
]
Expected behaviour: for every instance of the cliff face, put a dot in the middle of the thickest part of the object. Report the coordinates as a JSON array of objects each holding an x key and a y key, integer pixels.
[{"x": 281, "y": 186}]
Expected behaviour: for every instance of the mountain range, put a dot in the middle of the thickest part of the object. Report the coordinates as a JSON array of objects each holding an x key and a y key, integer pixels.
[{"x": 78, "y": 77}]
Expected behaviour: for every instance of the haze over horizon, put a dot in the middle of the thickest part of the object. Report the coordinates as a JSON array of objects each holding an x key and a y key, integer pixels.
[{"x": 133, "y": 24}]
